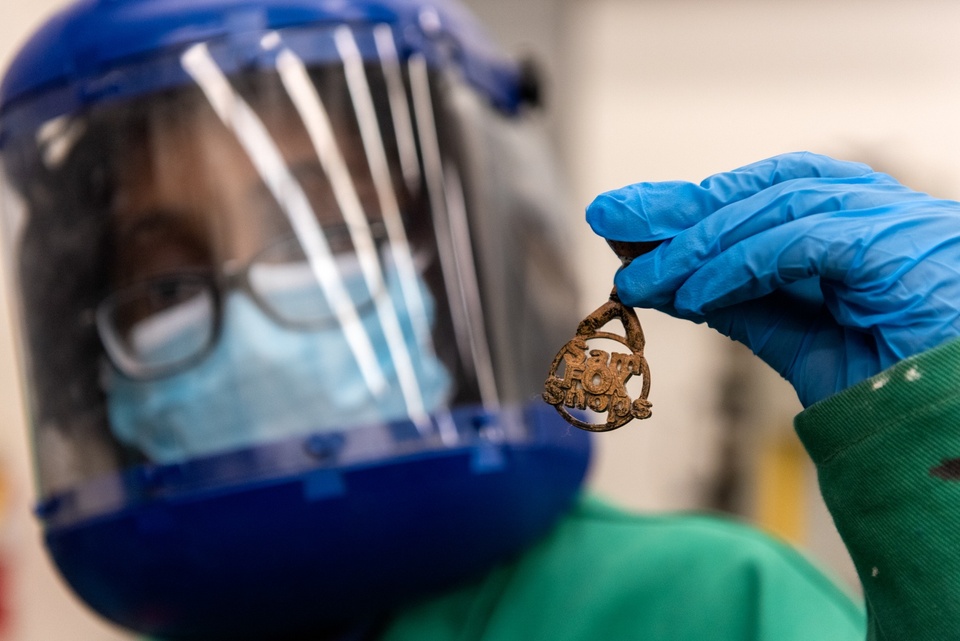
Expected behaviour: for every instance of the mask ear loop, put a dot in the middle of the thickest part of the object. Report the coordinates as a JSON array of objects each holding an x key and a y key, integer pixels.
[{"x": 263, "y": 152}]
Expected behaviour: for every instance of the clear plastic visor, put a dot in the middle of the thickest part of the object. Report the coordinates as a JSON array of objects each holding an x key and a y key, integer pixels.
[{"x": 243, "y": 258}]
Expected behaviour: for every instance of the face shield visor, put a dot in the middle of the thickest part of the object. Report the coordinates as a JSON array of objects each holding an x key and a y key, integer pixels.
[
  {"x": 269, "y": 252},
  {"x": 248, "y": 261}
]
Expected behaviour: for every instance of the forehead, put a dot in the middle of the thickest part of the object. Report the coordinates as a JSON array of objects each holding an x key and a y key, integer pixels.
[
  {"x": 179, "y": 147},
  {"x": 178, "y": 156}
]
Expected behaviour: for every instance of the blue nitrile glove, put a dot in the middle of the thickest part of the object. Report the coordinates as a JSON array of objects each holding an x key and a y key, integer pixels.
[{"x": 827, "y": 270}]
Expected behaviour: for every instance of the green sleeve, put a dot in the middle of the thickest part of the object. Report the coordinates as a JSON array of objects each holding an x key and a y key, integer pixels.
[
  {"x": 888, "y": 460},
  {"x": 604, "y": 574}
]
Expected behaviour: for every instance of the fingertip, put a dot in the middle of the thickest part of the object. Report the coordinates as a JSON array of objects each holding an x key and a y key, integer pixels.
[
  {"x": 607, "y": 212},
  {"x": 627, "y": 288},
  {"x": 646, "y": 211},
  {"x": 687, "y": 304},
  {"x": 632, "y": 288},
  {"x": 639, "y": 285}
]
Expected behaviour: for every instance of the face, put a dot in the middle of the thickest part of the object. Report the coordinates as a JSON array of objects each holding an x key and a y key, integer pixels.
[
  {"x": 201, "y": 207},
  {"x": 322, "y": 340},
  {"x": 188, "y": 196}
]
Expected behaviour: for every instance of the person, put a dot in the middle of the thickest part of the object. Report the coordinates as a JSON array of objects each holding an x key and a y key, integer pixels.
[
  {"x": 286, "y": 280},
  {"x": 280, "y": 382}
]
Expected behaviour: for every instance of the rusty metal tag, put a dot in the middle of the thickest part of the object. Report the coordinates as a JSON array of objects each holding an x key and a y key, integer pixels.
[{"x": 596, "y": 379}]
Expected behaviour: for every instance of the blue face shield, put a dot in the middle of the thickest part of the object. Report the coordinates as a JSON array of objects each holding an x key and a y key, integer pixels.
[
  {"x": 347, "y": 423},
  {"x": 262, "y": 381}
]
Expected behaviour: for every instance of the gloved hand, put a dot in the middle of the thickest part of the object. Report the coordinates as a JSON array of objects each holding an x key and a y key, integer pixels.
[{"x": 827, "y": 270}]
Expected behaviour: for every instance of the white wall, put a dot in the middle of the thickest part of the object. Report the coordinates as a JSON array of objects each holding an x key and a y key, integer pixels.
[{"x": 648, "y": 90}]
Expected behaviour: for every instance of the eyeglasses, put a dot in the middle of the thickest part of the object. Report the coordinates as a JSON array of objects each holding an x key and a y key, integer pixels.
[{"x": 163, "y": 325}]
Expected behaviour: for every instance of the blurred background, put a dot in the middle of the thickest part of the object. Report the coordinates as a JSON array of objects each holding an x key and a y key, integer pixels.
[{"x": 645, "y": 90}]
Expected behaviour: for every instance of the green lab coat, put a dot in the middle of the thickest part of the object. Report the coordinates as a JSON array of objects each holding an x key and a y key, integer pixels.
[{"x": 888, "y": 458}]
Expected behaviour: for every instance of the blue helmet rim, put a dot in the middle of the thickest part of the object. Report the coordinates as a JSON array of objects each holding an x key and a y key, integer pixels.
[
  {"x": 91, "y": 39},
  {"x": 323, "y": 456},
  {"x": 326, "y": 548}
]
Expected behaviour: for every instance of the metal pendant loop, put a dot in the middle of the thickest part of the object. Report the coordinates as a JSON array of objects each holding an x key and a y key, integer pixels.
[{"x": 596, "y": 379}]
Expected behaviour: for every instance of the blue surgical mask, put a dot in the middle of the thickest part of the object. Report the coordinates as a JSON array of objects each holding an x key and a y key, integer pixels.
[{"x": 263, "y": 381}]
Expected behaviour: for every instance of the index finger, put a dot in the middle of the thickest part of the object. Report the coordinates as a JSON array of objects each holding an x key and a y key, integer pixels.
[{"x": 658, "y": 210}]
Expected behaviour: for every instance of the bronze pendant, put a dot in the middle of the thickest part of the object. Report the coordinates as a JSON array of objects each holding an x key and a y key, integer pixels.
[{"x": 596, "y": 379}]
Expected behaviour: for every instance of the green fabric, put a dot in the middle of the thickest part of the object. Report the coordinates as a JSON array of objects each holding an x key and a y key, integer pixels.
[
  {"x": 607, "y": 575},
  {"x": 886, "y": 454},
  {"x": 888, "y": 457}
]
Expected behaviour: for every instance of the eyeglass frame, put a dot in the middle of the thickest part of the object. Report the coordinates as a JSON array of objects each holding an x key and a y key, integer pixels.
[{"x": 217, "y": 283}]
